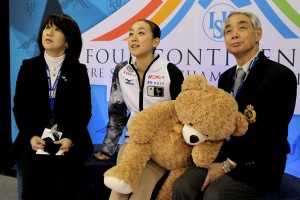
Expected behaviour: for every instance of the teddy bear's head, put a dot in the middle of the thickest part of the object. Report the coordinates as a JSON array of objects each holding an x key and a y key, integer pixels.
[{"x": 207, "y": 112}]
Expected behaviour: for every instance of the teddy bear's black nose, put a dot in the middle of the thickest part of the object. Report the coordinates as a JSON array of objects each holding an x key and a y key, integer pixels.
[{"x": 194, "y": 139}]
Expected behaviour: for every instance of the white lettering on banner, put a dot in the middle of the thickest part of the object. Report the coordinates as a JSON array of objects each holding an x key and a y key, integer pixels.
[
  {"x": 95, "y": 72},
  {"x": 209, "y": 62},
  {"x": 282, "y": 57},
  {"x": 187, "y": 57},
  {"x": 103, "y": 56}
]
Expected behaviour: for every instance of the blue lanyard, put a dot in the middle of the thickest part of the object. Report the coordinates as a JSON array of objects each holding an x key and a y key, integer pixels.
[
  {"x": 247, "y": 73},
  {"x": 52, "y": 88}
]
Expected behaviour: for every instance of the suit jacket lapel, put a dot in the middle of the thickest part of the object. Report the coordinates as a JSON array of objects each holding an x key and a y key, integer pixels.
[
  {"x": 255, "y": 75},
  {"x": 231, "y": 77}
]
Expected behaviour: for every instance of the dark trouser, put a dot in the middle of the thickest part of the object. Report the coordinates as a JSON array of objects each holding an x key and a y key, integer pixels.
[
  {"x": 188, "y": 187},
  {"x": 49, "y": 177}
]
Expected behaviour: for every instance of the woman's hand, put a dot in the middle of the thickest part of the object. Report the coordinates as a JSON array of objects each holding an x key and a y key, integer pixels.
[
  {"x": 65, "y": 143},
  {"x": 37, "y": 143},
  {"x": 101, "y": 156}
]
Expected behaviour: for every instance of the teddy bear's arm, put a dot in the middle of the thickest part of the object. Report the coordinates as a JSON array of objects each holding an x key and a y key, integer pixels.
[
  {"x": 206, "y": 152},
  {"x": 144, "y": 124},
  {"x": 241, "y": 125}
]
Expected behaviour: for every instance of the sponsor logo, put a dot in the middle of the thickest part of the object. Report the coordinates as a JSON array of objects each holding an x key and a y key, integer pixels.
[
  {"x": 155, "y": 83},
  {"x": 153, "y": 76},
  {"x": 129, "y": 81},
  {"x": 127, "y": 73}
]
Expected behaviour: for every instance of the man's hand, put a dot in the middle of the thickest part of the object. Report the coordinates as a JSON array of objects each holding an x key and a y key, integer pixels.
[{"x": 214, "y": 172}]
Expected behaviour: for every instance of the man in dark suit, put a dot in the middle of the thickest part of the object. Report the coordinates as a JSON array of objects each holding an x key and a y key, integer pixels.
[{"x": 247, "y": 167}]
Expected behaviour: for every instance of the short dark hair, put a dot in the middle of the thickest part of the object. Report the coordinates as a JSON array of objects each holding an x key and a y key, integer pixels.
[{"x": 70, "y": 29}]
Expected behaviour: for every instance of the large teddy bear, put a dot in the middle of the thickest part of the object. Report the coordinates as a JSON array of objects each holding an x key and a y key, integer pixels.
[{"x": 196, "y": 124}]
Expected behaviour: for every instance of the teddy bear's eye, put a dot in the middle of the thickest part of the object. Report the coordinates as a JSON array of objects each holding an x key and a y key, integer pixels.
[{"x": 190, "y": 124}]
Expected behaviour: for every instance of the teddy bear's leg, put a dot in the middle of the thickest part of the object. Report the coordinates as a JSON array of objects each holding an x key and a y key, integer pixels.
[
  {"x": 125, "y": 176},
  {"x": 165, "y": 192}
]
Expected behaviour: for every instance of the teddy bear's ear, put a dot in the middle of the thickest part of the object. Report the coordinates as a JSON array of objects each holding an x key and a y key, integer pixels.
[
  {"x": 194, "y": 82},
  {"x": 241, "y": 125}
]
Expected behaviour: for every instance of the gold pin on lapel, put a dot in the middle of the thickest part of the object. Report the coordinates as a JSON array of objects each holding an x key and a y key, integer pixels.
[{"x": 250, "y": 114}]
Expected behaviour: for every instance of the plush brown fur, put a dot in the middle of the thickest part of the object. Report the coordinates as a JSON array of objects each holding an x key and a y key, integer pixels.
[{"x": 156, "y": 134}]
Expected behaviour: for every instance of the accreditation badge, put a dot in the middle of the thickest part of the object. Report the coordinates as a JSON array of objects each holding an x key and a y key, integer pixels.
[
  {"x": 250, "y": 114},
  {"x": 54, "y": 135},
  {"x": 154, "y": 91}
]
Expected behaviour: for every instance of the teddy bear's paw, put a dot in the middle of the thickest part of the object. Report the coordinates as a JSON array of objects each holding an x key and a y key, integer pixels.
[{"x": 117, "y": 185}]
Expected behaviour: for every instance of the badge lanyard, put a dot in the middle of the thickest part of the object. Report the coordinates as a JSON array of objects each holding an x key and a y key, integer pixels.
[
  {"x": 52, "y": 88},
  {"x": 247, "y": 73}
]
